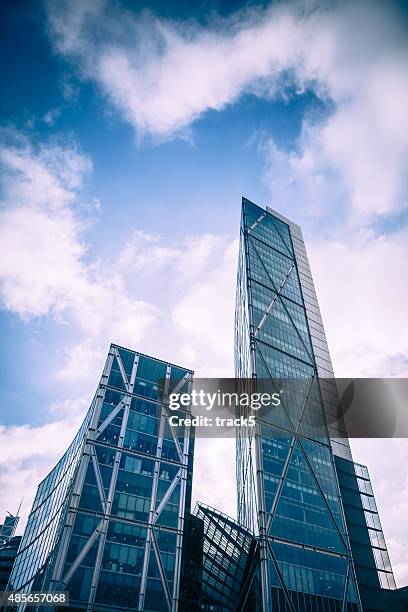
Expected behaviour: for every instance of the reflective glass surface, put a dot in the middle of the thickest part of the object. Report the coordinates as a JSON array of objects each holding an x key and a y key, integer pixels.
[
  {"x": 287, "y": 485},
  {"x": 228, "y": 549},
  {"x": 372, "y": 563}
]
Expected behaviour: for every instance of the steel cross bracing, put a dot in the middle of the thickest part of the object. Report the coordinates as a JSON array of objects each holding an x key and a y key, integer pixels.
[
  {"x": 257, "y": 221},
  {"x": 61, "y": 581},
  {"x": 265, "y": 537},
  {"x": 264, "y": 521},
  {"x": 275, "y": 297},
  {"x": 278, "y": 294}
]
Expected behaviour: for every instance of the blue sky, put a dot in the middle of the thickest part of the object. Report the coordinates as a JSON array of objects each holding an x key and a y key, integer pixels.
[
  {"x": 129, "y": 134},
  {"x": 173, "y": 188}
]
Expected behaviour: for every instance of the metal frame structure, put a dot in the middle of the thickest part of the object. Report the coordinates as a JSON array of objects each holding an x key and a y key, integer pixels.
[
  {"x": 107, "y": 431},
  {"x": 279, "y": 336},
  {"x": 228, "y": 551}
]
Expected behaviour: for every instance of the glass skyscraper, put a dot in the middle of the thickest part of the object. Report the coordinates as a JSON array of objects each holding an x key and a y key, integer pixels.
[
  {"x": 107, "y": 522},
  {"x": 288, "y": 491}
]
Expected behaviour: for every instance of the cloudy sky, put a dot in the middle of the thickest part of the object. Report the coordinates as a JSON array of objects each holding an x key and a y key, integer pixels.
[{"x": 129, "y": 133}]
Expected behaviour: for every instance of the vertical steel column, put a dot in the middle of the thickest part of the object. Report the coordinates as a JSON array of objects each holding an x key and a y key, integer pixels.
[
  {"x": 148, "y": 545},
  {"x": 182, "y": 503},
  {"x": 259, "y": 479},
  {"x": 115, "y": 471},
  {"x": 80, "y": 477}
]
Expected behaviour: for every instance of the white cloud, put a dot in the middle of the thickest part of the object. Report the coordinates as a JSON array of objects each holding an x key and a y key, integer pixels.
[
  {"x": 362, "y": 290},
  {"x": 350, "y": 164},
  {"x": 28, "y": 453},
  {"x": 213, "y": 465},
  {"x": 163, "y": 74},
  {"x": 51, "y": 116},
  {"x": 301, "y": 183},
  {"x": 46, "y": 271},
  {"x": 196, "y": 277},
  {"x": 203, "y": 317},
  {"x": 39, "y": 230},
  {"x": 390, "y": 487}
]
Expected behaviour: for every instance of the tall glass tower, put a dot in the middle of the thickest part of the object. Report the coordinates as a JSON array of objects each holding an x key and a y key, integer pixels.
[
  {"x": 288, "y": 491},
  {"x": 107, "y": 522}
]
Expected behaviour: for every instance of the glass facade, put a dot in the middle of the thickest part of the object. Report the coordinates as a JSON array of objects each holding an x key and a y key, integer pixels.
[
  {"x": 8, "y": 528},
  {"x": 8, "y": 553},
  {"x": 371, "y": 560},
  {"x": 46, "y": 518},
  {"x": 228, "y": 551},
  {"x": 191, "y": 565},
  {"x": 107, "y": 523},
  {"x": 288, "y": 491}
]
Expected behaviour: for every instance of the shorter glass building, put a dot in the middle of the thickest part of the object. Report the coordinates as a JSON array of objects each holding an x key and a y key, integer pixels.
[
  {"x": 369, "y": 550},
  {"x": 219, "y": 563},
  {"x": 8, "y": 528},
  {"x": 8, "y": 553},
  {"x": 107, "y": 523}
]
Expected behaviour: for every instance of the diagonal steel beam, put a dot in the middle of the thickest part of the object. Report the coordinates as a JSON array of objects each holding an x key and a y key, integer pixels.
[
  {"x": 166, "y": 496},
  {"x": 181, "y": 382},
  {"x": 166, "y": 409},
  {"x": 173, "y": 433},
  {"x": 161, "y": 570},
  {"x": 275, "y": 297},
  {"x": 98, "y": 477},
  {"x": 280, "y": 577},
  {"x": 345, "y": 592},
  {"x": 324, "y": 551},
  {"x": 110, "y": 418},
  {"x": 282, "y": 301},
  {"x": 255, "y": 223},
  {"x": 312, "y": 470},
  {"x": 114, "y": 476},
  {"x": 122, "y": 369},
  {"x": 246, "y": 587},
  {"x": 323, "y": 495},
  {"x": 82, "y": 554},
  {"x": 282, "y": 238},
  {"x": 291, "y": 423},
  {"x": 149, "y": 534},
  {"x": 287, "y": 462}
]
